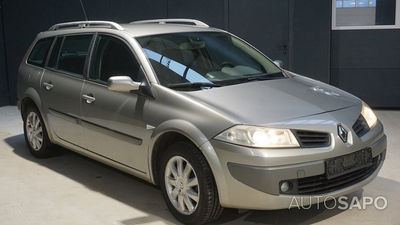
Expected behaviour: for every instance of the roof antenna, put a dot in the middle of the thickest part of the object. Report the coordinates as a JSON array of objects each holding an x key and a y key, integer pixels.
[{"x": 84, "y": 12}]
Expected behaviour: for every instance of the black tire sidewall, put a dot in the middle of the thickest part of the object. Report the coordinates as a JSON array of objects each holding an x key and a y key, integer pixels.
[
  {"x": 202, "y": 170},
  {"x": 44, "y": 150}
]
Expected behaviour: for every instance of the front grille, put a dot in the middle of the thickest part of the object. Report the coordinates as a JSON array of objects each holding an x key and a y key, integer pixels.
[
  {"x": 360, "y": 127},
  {"x": 312, "y": 139},
  {"x": 320, "y": 184}
]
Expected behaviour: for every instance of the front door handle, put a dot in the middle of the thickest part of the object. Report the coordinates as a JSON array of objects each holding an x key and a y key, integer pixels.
[
  {"x": 89, "y": 98},
  {"x": 48, "y": 86}
]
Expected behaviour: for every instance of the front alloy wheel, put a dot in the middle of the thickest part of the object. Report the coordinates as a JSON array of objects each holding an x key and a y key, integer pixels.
[
  {"x": 182, "y": 185},
  {"x": 188, "y": 185}
]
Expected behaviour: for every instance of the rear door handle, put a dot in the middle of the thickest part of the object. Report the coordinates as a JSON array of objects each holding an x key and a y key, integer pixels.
[
  {"x": 89, "y": 98},
  {"x": 48, "y": 86}
]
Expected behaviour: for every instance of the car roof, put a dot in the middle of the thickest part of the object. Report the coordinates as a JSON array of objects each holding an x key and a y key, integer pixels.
[{"x": 135, "y": 29}]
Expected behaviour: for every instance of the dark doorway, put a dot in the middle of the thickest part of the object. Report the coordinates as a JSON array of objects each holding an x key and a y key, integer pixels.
[{"x": 264, "y": 24}]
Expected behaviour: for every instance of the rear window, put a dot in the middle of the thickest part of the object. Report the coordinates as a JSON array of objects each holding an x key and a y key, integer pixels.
[{"x": 39, "y": 52}]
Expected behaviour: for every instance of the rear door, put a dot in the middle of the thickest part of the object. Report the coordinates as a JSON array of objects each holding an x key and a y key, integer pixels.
[
  {"x": 113, "y": 121},
  {"x": 62, "y": 85}
]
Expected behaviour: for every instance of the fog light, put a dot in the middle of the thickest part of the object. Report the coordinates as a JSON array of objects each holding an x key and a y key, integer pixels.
[{"x": 285, "y": 186}]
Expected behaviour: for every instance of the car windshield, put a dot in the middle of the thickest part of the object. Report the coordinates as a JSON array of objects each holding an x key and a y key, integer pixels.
[{"x": 204, "y": 60}]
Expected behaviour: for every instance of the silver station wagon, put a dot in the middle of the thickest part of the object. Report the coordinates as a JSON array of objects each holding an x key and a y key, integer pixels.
[{"x": 199, "y": 112}]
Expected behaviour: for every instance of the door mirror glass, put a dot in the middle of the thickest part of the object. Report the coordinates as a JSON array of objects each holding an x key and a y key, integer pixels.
[{"x": 122, "y": 84}]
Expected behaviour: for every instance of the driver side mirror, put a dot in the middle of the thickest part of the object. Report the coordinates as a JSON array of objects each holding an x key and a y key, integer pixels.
[{"x": 122, "y": 84}]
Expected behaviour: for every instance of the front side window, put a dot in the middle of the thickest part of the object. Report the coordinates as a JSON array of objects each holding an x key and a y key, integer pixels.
[
  {"x": 112, "y": 57},
  {"x": 205, "y": 59},
  {"x": 72, "y": 55},
  {"x": 39, "y": 52}
]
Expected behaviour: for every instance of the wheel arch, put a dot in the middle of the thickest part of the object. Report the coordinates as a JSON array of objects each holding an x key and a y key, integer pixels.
[
  {"x": 168, "y": 133},
  {"x": 31, "y": 97}
]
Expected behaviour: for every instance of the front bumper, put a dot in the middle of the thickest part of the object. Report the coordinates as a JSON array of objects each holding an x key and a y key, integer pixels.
[{"x": 252, "y": 180}]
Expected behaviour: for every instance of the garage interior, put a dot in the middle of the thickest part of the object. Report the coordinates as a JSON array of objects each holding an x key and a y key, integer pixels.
[{"x": 72, "y": 189}]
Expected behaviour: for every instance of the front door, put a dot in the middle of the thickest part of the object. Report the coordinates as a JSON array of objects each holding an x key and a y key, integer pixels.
[
  {"x": 264, "y": 24},
  {"x": 113, "y": 121}
]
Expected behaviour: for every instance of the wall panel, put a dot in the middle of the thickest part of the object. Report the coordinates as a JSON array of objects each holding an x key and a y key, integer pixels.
[
  {"x": 23, "y": 20},
  {"x": 377, "y": 87},
  {"x": 209, "y": 11},
  {"x": 124, "y": 11},
  {"x": 264, "y": 24},
  {"x": 4, "y": 92},
  {"x": 311, "y": 39},
  {"x": 357, "y": 61},
  {"x": 366, "y": 63}
]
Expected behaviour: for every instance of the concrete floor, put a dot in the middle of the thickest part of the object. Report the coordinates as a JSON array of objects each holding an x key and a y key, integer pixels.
[{"x": 71, "y": 189}]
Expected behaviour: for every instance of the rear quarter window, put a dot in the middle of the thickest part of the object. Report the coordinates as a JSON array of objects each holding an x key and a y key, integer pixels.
[{"x": 39, "y": 53}]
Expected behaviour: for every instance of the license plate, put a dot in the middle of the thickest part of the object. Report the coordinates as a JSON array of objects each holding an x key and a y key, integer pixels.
[{"x": 345, "y": 164}]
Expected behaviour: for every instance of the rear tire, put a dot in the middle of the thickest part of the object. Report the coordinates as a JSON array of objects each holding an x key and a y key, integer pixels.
[
  {"x": 35, "y": 133},
  {"x": 188, "y": 186}
]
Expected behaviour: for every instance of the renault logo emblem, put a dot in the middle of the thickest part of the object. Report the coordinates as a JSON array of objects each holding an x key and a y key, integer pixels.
[{"x": 342, "y": 133}]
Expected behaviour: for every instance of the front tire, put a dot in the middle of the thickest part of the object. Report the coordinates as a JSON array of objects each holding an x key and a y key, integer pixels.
[
  {"x": 188, "y": 186},
  {"x": 36, "y": 134}
]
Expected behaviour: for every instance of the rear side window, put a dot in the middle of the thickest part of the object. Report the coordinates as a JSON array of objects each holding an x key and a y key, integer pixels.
[
  {"x": 39, "y": 52},
  {"x": 55, "y": 52},
  {"x": 72, "y": 55}
]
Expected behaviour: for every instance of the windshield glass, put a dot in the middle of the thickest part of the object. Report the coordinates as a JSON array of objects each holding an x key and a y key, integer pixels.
[{"x": 205, "y": 60}]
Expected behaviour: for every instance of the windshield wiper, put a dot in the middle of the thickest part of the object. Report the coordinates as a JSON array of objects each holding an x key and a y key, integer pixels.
[
  {"x": 263, "y": 78},
  {"x": 266, "y": 77},
  {"x": 195, "y": 85}
]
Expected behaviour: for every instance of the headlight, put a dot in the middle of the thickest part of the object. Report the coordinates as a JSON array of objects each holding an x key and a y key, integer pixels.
[
  {"x": 261, "y": 137},
  {"x": 368, "y": 115}
]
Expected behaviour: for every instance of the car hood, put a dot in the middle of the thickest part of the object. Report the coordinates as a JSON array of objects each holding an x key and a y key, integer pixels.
[{"x": 263, "y": 102}]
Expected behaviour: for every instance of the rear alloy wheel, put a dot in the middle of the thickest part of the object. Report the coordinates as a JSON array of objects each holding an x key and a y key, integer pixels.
[
  {"x": 188, "y": 185},
  {"x": 36, "y": 134}
]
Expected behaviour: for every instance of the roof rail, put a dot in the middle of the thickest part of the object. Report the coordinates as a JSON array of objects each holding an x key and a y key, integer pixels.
[
  {"x": 85, "y": 24},
  {"x": 176, "y": 21}
]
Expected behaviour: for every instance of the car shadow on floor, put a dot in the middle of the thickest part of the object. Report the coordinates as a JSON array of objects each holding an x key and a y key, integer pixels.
[
  {"x": 103, "y": 179},
  {"x": 147, "y": 198}
]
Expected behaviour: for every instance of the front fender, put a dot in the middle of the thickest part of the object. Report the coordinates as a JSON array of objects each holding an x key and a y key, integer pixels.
[
  {"x": 201, "y": 141},
  {"x": 180, "y": 126}
]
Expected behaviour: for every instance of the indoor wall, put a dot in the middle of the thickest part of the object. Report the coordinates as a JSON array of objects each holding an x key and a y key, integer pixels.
[{"x": 298, "y": 32}]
